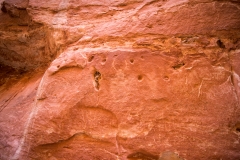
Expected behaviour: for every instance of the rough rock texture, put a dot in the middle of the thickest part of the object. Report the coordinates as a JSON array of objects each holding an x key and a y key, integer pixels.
[{"x": 136, "y": 79}]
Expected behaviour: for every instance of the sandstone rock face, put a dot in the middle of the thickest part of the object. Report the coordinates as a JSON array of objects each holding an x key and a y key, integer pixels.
[{"x": 138, "y": 79}]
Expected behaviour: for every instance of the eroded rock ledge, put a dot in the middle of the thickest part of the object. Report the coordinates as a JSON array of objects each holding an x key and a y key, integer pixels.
[{"x": 139, "y": 79}]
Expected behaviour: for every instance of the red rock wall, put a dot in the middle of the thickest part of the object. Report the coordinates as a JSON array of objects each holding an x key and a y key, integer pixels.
[{"x": 139, "y": 79}]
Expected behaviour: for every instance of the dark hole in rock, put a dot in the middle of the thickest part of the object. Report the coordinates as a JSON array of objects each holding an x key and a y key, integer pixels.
[
  {"x": 140, "y": 77},
  {"x": 104, "y": 60},
  {"x": 3, "y": 8},
  {"x": 220, "y": 44},
  {"x": 131, "y": 60},
  {"x": 179, "y": 65},
  {"x": 142, "y": 156},
  {"x": 166, "y": 78},
  {"x": 90, "y": 58},
  {"x": 97, "y": 77},
  {"x": 238, "y": 129}
]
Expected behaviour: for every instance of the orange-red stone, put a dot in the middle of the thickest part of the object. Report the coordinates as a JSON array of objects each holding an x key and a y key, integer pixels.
[{"x": 146, "y": 79}]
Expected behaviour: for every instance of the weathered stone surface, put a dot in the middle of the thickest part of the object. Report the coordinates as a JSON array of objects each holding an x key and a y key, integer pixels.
[
  {"x": 17, "y": 94},
  {"x": 142, "y": 100},
  {"x": 24, "y": 44},
  {"x": 144, "y": 79}
]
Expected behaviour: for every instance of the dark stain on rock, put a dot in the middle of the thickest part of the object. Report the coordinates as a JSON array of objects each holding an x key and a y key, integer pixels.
[{"x": 131, "y": 61}]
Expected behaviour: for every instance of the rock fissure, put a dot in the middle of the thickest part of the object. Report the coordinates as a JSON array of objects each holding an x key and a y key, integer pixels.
[{"x": 97, "y": 77}]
